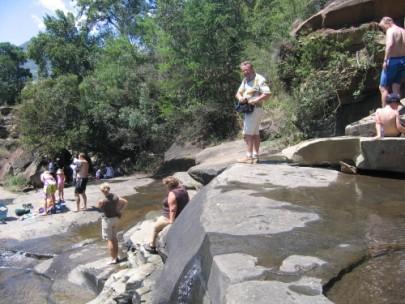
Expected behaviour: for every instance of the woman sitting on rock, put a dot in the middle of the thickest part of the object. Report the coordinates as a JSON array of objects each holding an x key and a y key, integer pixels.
[{"x": 174, "y": 202}]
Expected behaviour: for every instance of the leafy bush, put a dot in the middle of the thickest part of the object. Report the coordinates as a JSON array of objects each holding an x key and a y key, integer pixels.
[
  {"x": 14, "y": 182},
  {"x": 318, "y": 72}
]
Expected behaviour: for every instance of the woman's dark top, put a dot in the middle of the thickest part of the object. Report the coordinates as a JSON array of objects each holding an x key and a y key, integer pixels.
[
  {"x": 109, "y": 206},
  {"x": 182, "y": 199}
]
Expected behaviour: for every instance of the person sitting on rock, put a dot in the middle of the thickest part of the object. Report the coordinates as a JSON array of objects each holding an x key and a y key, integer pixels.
[
  {"x": 112, "y": 207},
  {"x": 174, "y": 202},
  {"x": 387, "y": 120}
]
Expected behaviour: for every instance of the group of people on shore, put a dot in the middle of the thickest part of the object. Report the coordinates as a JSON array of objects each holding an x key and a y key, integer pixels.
[{"x": 54, "y": 183}]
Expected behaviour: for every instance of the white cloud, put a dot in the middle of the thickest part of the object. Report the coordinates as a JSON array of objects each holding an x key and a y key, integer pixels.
[
  {"x": 39, "y": 22},
  {"x": 54, "y": 5}
]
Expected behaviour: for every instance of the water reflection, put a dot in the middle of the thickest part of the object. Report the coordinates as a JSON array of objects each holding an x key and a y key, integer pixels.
[{"x": 20, "y": 283}]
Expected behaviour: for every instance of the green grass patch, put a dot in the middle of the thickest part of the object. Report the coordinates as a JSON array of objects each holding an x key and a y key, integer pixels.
[{"x": 14, "y": 183}]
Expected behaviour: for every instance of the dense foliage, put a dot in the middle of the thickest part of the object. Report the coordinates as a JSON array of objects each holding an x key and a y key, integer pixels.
[
  {"x": 133, "y": 75},
  {"x": 12, "y": 75}
]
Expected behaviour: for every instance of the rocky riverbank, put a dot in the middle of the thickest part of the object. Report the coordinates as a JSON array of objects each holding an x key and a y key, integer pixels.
[{"x": 17, "y": 230}]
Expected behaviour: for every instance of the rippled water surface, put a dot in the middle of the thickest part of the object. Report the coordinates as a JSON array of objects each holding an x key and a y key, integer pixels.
[{"x": 21, "y": 284}]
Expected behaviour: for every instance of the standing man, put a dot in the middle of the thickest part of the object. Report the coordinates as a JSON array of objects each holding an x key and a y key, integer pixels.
[
  {"x": 253, "y": 90},
  {"x": 81, "y": 181},
  {"x": 112, "y": 207},
  {"x": 394, "y": 60}
]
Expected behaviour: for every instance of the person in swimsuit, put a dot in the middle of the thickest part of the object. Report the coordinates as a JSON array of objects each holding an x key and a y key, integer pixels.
[
  {"x": 60, "y": 176},
  {"x": 81, "y": 182},
  {"x": 393, "y": 69},
  {"x": 387, "y": 120}
]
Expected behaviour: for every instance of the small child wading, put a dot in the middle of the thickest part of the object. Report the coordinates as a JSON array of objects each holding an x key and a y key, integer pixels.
[
  {"x": 60, "y": 175},
  {"x": 49, "y": 189}
]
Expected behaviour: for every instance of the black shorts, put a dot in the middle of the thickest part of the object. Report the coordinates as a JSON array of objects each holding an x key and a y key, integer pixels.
[{"x": 81, "y": 184}]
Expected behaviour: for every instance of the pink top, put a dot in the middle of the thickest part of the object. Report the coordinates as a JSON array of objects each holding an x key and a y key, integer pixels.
[{"x": 61, "y": 179}]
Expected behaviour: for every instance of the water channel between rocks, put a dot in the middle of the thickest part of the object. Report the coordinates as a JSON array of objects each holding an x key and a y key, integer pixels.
[{"x": 20, "y": 283}]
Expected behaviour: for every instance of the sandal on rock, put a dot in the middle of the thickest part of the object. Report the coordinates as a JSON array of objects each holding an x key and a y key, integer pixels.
[
  {"x": 115, "y": 261},
  {"x": 150, "y": 249}
]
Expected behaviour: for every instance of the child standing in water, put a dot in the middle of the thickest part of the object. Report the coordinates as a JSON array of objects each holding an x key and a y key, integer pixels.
[
  {"x": 49, "y": 189},
  {"x": 61, "y": 184}
]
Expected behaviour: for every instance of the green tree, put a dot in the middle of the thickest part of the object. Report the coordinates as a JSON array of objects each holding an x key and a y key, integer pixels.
[
  {"x": 122, "y": 95},
  {"x": 113, "y": 16},
  {"x": 201, "y": 44},
  {"x": 62, "y": 48},
  {"x": 52, "y": 116},
  {"x": 12, "y": 75}
]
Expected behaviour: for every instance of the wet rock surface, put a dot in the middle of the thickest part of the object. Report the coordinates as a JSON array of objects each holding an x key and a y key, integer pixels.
[{"x": 276, "y": 234}]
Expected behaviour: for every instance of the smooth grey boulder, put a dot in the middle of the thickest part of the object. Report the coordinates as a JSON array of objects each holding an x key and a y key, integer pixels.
[
  {"x": 204, "y": 173},
  {"x": 241, "y": 218},
  {"x": 188, "y": 181},
  {"x": 324, "y": 151},
  {"x": 223, "y": 153},
  {"x": 179, "y": 157},
  {"x": 260, "y": 292},
  {"x": 385, "y": 154},
  {"x": 363, "y": 127},
  {"x": 213, "y": 160}
]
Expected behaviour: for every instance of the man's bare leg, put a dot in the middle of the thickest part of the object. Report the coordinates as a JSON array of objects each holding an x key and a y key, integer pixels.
[
  {"x": 113, "y": 248},
  {"x": 250, "y": 144},
  {"x": 77, "y": 202},
  {"x": 384, "y": 94},
  {"x": 256, "y": 144},
  {"x": 84, "y": 196}
]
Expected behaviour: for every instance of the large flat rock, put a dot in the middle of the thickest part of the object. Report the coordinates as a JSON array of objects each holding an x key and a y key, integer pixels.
[
  {"x": 385, "y": 154},
  {"x": 323, "y": 151},
  {"x": 272, "y": 233},
  {"x": 366, "y": 153}
]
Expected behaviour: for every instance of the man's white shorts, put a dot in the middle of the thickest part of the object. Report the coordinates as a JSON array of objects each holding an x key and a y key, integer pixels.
[
  {"x": 251, "y": 122},
  {"x": 109, "y": 227}
]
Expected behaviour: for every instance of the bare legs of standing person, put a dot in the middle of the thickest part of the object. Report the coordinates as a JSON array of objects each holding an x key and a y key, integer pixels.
[
  {"x": 113, "y": 249},
  {"x": 84, "y": 197}
]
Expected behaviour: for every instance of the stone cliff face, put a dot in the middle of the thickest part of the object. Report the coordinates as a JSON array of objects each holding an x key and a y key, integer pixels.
[
  {"x": 14, "y": 160},
  {"x": 351, "y": 22}
]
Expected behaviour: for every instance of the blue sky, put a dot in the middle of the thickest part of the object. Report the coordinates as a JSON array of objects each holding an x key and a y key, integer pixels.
[{"x": 20, "y": 20}]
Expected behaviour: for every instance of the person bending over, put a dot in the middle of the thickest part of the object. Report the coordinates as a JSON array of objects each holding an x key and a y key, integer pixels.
[{"x": 111, "y": 206}]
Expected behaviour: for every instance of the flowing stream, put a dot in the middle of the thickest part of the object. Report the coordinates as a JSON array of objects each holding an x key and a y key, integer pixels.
[
  {"x": 20, "y": 280},
  {"x": 371, "y": 210}
]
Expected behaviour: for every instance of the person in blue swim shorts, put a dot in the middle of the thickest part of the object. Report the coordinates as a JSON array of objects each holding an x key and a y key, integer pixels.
[{"x": 393, "y": 70}]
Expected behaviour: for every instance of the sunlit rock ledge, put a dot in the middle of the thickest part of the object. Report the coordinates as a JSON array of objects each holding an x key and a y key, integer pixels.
[
  {"x": 242, "y": 239},
  {"x": 365, "y": 153}
]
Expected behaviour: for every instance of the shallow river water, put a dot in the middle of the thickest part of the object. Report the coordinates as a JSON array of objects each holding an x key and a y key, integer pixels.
[
  {"x": 20, "y": 283},
  {"x": 371, "y": 210}
]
